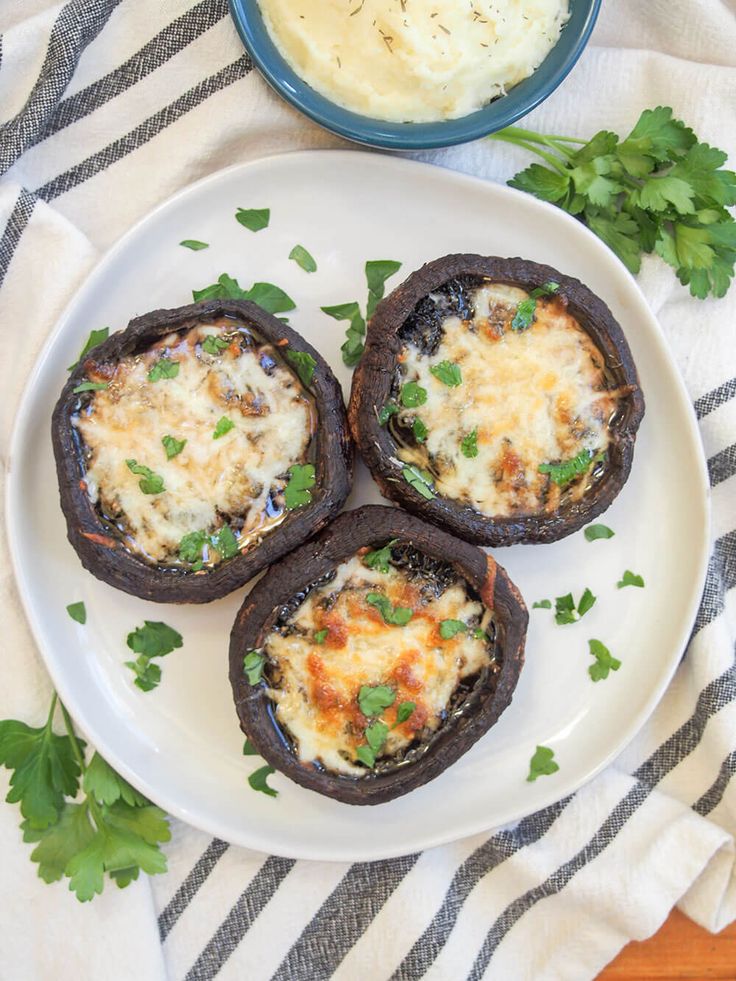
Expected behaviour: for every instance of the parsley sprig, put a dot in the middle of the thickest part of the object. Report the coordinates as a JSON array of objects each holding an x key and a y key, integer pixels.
[
  {"x": 111, "y": 829},
  {"x": 658, "y": 190}
]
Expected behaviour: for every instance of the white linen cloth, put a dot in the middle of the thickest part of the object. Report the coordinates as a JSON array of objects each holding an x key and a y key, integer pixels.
[{"x": 108, "y": 107}]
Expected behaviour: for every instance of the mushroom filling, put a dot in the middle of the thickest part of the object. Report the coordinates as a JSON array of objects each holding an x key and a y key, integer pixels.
[
  {"x": 188, "y": 446},
  {"x": 366, "y": 664},
  {"x": 501, "y": 398}
]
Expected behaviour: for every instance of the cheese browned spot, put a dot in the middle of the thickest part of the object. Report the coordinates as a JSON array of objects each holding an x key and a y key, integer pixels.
[
  {"x": 315, "y": 686},
  {"x": 236, "y": 479},
  {"x": 534, "y": 396}
]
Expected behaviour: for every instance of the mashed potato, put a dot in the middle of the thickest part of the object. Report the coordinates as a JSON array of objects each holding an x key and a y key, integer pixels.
[{"x": 414, "y": 60}]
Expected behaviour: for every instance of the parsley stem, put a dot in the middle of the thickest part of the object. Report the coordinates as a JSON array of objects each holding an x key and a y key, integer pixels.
[
  {"x": 50, "y": 719},
  {"x": 69, "y": 726},
  {"x": 555, "y": 162}
]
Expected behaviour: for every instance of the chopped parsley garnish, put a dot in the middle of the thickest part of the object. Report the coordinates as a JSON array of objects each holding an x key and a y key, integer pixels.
[
  {"x": 448, "y": 373},
  {"x": 404, "y": 711},
  {"x": 153, "y": 639},
  {"x": 526, "y": 310},
  {"x": 594, "y": 532},
  {"x": 258, "y": 781},
  {"x": 225, "y": 542},
  {"x": 194, "y": 244},
  {"x": 173, "y": 446},
  {"x": 412, "y": 394},
  {"x": 321, "y": 635},
  {"x": 152, "y": 483},
  {"x": 565, "y": 611},
  {"x": 249, "y": 749},
  {"x": 303, "y": 259},
  {"x": 544, "y": 604},
  {"x": 366, "y": 756},
  {"x": 480, "y": 634},
  {"x": 90, "y": 387},
  {"x": 214, "y": 345},
  {"x": 78, "y": 612},
  {"x": 254, "y": 219},
  {"x": 304, "y": 365},
  {"x": 420, "y": 430},
  {"x": 420, "y": 480},
  {"x": 297, "y": 492},
  {"x": 373, "y": 700},
  {"x": 95, "y": 337},
  {"x": 376, "y": 273},
  {"x": 380, "y": 558},
  {"x": 542, "y": 764},
  {"x": 469, "y": 444},
  {"x": 388, "y": 410},
  {"x": 224, "y": 425},
  {"x": 253, "y": 664},
  {"x": 375, "y": 735},
  {"x": 630, "y": 579},
  {"x": 604, "y": 661},
  {"x": 449, "y": 628},
  {"x": 269, "y": 297},
  {"x": 397, "y": 616},
  {"x": 164, "y": 368},
  {"x": 191, "y": 549},
  {"x": 566, "y": 471}
]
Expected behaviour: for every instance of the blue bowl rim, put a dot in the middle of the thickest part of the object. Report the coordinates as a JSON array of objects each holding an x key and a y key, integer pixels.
[{"x": 503, "y": 112}]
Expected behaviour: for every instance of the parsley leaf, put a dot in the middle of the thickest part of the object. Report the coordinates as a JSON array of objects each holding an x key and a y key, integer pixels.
[
  {"x": 163, "y": 368},
  {"x": 388, "y": 410},
  {"x": 152, "y": 483},
  {"x": 321, "y": 635},
  {"x": 594, "y": 532},
  {"x": 404, "y": 711},
  {"x": 254, "y": 219},
  {"x": 366, "y": 756},
  {"x": 375, "y": 735},
  {"x": 147, "y": 675},
  {"x": 90, "y": 387},
  {"x": 412, "y": 394},
  {"x": 420, "y": 480},
  {"x": 544, "y": 604},
  {"x": 469, "y": 444},
  {"x": 630, "y": 579},
  {"x": 258, "y": 781},
  {"x": 380, "y": 558},
  {"x": 377, "y": 271},
  {"x": 587, "y": 600},
  {"x": 448, "y": 373},
  {"x": 303, "y": 259},
  {"x": 352, "y": 349},
  {"x": 420, "y": 430},
  {"x": 449, "y": 628},
  {"x": 266, "y": 295},
  {"x": 191, "y": 548},
  {"x": 527, "y": 309},
  {"x": 106, "y": 786},
  {"x": 304, "y": 364},
  {"x": 78, "y": 612},
  {"x": 249, "y": 749},
  {"x": 396, "y": 616},
  {"x": 565, "y": 611},
  {"x": 95, "y": 337},
  {"x": 154, "y": 639},
  {"x": 604, "y": 661},
  {"x": 173, "y": 446},
  {"x": 225, "y": 543},
  {"x": 224, "y": 425},
  {"x": 542, "y": 763},
  {"x": 297, "y": 492},
  {"x": 214, "y": 345},
  {"x": 658, "y": 190},
  {"x": 253, "y": 664},
  {"x": 373, "y": 700},
  {"x": 194, "y": 244},
  {"x": 567, "y": 470}
]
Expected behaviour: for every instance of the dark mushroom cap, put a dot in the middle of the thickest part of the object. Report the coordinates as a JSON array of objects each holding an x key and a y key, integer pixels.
[
  {"x": 107, "y": 558},
  {"x": 373, "y": 526},
  {"x": 374, "y": 376}
]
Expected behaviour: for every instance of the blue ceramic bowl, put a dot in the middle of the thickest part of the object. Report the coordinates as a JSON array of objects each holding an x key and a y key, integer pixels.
[{"x": 521, "y": 99}]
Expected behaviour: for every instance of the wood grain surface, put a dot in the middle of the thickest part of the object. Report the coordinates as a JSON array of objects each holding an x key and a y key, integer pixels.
[{"x": 680, "y": 950}]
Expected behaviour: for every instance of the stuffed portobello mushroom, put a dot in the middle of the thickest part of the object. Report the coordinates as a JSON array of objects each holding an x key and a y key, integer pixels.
[
  {"x": 195, "y": 448},
  {"x": 497, "y": 398},
  {"x": 374, "y": 656}
]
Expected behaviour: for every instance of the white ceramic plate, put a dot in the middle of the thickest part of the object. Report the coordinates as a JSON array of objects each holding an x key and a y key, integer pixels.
[{"x": 181, "y": 744}]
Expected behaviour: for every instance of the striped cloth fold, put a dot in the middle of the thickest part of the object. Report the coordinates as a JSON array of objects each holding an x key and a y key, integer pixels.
[{"x": 106, "y": 108}]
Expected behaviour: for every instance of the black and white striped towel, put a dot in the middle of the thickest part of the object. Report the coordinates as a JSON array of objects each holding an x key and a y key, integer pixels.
[{"x": 106, "y": 108}]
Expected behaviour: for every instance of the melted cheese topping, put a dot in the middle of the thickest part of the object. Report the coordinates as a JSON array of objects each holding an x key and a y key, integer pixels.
[
  {"x": 233, "y": 479},
  {"x": 534, "y": 396},
  {"x": 316, "y": 697}
]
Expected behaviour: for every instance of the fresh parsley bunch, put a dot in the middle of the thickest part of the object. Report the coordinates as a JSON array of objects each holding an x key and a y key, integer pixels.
[
  {"x": 110, "y": 829},
  {"x": 659, "y": 190}
]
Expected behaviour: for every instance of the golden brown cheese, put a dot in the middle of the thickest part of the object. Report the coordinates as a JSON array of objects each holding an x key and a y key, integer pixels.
[
  {"x": 534, "y": 396},
  {"x": 318, "y": 684},
  {"x": 212, "y": 481}
]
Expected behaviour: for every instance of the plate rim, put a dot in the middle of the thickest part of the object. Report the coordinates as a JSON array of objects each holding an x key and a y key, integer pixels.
[{"x": 552, "y": 793}]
